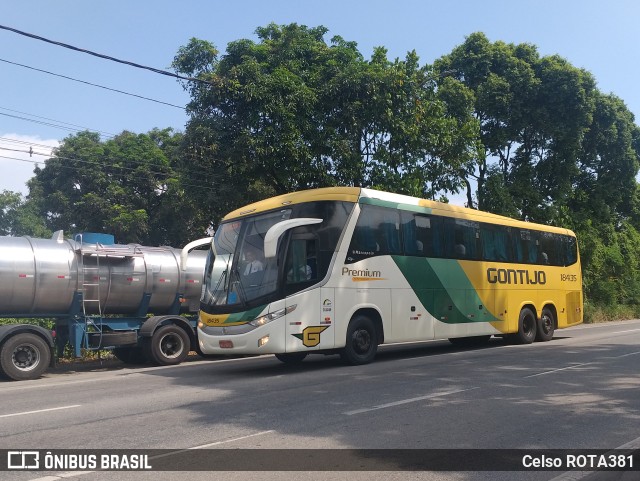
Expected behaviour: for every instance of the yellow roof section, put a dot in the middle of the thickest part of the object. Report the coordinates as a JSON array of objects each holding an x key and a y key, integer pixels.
[
  {"x": 347, "y": 194},
  {"x": 353, "y": 194}
]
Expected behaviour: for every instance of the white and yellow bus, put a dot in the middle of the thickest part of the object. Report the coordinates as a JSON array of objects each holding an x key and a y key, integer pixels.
[{"x": 347, "y": 269}]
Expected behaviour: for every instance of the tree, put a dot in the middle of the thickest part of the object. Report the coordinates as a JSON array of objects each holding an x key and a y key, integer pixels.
[
  {"x": 533, "y": 114},
  {"x": 10, "y": 202},
  {"x": 126, "y": 186},
  {"x": 292, "y": 112},
  {"x": 19, "y": 217}
]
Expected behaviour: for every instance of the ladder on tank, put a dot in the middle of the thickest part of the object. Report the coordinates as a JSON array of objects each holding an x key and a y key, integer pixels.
[
  {"x": 91, "y": 304},
  {"x": 92, "y": 307}
]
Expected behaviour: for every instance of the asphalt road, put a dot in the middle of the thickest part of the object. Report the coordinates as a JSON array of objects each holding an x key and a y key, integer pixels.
[{"x": 579, "y": 391}]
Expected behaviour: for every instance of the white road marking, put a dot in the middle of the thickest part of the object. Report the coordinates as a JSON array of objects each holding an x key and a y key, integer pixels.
[
  {"x": 559, "y": 369},
  {"x": 126, "y": 373},
  {"x": 203, "y": 446},
  {"x": 39, "y": 411},
  {"x": 406, "y": 401},
  {"x": 581, "y": 364},
  {"x": 620, "y": 332},
  {"x": 623, "y": 355}
]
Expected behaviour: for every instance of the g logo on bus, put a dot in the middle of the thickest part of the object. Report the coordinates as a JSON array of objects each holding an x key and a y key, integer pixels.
[{"x": 310, "y": 336}]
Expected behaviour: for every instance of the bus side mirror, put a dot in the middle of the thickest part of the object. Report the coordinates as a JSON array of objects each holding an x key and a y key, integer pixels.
[
  {"x": 275, "y": 232},
  {"x": 189, "y": 247}
]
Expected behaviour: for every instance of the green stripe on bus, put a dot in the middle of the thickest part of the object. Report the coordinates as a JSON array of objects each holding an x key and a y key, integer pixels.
[
  {"x": 395, "y": 205},
  {"x": 442, "y": 287},
  {"x": 244, "y": 316}
]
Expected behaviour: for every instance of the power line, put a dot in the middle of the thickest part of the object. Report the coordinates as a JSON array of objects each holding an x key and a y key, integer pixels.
[
  {"x": 59, "y": 123},
  {"x": 92, "y": 84},
  {"x": 106, "y": 57},
  {"x": 26, "y": 142},
  {"x": 71, "y": 167},
  {"x": 190, "y": 171},
  {"x": 57, "y": 126}
]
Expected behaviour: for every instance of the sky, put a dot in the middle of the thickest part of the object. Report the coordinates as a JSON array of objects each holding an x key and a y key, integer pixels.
[{"x": 38, "y": 110}]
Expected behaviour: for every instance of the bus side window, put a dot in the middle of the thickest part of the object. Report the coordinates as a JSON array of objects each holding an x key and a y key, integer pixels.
[
  {"x": 550, "y": 249},
  {"x": 570, "y": 249},
  {"x": 525, "y": 243},
  {"x": 417, "y": 234},
  {"x": 377, "y": 232},
  {"x": 495, "y": 242},
  {"x": 462, "y": 238}
]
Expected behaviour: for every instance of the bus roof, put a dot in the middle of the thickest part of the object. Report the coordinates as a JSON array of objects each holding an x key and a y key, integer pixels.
[
  {"x": 377, "y": 197},
  {"x": 347, "y": 194}
]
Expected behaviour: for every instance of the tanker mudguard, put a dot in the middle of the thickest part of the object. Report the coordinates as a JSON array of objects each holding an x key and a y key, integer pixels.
[
  {"x": 11, "y": 329},
  {"x": 150, "y": 325}
]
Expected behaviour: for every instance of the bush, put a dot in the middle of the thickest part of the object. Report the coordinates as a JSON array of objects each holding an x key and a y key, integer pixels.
[{"x": 595, "y": 313}]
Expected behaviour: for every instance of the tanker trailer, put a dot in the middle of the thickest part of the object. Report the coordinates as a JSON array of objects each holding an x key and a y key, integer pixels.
[{"x": 141, "y": 301}]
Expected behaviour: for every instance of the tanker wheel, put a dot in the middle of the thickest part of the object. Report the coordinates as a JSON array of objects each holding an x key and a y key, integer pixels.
[
  {"x": 169, "y": 345},
  {"x": 24, "y": 356},
  {"x": 130, "y": 355}
]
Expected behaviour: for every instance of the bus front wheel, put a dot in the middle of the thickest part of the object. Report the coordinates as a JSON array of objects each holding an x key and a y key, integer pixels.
[
  {"x": 362, "y": 341},
  {"x": 546, "y": 325},
  {"x": 526, "y": 327},
  {"x": 291, "y": 357}
]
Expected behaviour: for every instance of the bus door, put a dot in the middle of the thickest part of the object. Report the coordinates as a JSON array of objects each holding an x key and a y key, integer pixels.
[{"x": 306, "y": 326}]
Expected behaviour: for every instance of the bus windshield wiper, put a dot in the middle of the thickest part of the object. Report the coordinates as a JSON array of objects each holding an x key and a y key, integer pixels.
[{"x": 235, "y": 273}]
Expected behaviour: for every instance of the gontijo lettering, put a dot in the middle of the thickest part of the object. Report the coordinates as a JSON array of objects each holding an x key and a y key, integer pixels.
[{"x": 515, "y": 276}]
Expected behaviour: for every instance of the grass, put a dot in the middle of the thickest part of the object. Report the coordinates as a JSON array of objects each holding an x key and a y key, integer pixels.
[{"x": 601, "y": 313}]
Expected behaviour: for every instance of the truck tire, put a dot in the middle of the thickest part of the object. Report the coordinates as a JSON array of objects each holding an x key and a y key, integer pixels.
[
  {"x": 169, "y": 345},
  {"x": 130, "y": 355},
  {"x": 24, "y": 356}
]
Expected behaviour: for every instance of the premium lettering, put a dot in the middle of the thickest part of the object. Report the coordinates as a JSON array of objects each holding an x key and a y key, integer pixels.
[{"x": 360, "y": 272}]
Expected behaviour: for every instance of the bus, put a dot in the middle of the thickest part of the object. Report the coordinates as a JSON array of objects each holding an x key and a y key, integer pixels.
[{"x": 345, "y": 269}]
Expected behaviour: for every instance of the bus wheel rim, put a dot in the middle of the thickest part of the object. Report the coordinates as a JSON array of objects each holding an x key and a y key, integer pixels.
[{"x": 361, "y": 341}]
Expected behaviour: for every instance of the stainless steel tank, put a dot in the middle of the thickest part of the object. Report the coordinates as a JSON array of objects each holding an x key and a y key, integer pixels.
[{"x": 45, "y": 276}]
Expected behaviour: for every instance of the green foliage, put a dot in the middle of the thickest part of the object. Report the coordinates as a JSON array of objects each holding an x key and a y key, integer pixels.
[
  {"x": 130, "y": 186},
  {"x": 19, "y": 217},
  {"x": 293, "y": 111},
  {"x": 46, "y": 323}
]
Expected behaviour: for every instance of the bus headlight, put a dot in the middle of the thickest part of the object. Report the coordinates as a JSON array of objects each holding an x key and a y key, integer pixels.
[{"x": 272, "y": 316}]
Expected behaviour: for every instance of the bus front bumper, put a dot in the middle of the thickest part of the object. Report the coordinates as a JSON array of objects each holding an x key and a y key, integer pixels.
[{"x": 267, "y": 339}]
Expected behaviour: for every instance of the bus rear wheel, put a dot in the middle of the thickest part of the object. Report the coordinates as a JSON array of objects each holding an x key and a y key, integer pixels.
[
  {"x": 546, "y": 325},
  {"x": 527, "y": 327},
  {"x": 362, "y": 341}
]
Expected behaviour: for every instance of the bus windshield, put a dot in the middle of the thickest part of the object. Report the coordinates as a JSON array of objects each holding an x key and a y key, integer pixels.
[{"x": 237, "y": 271}]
